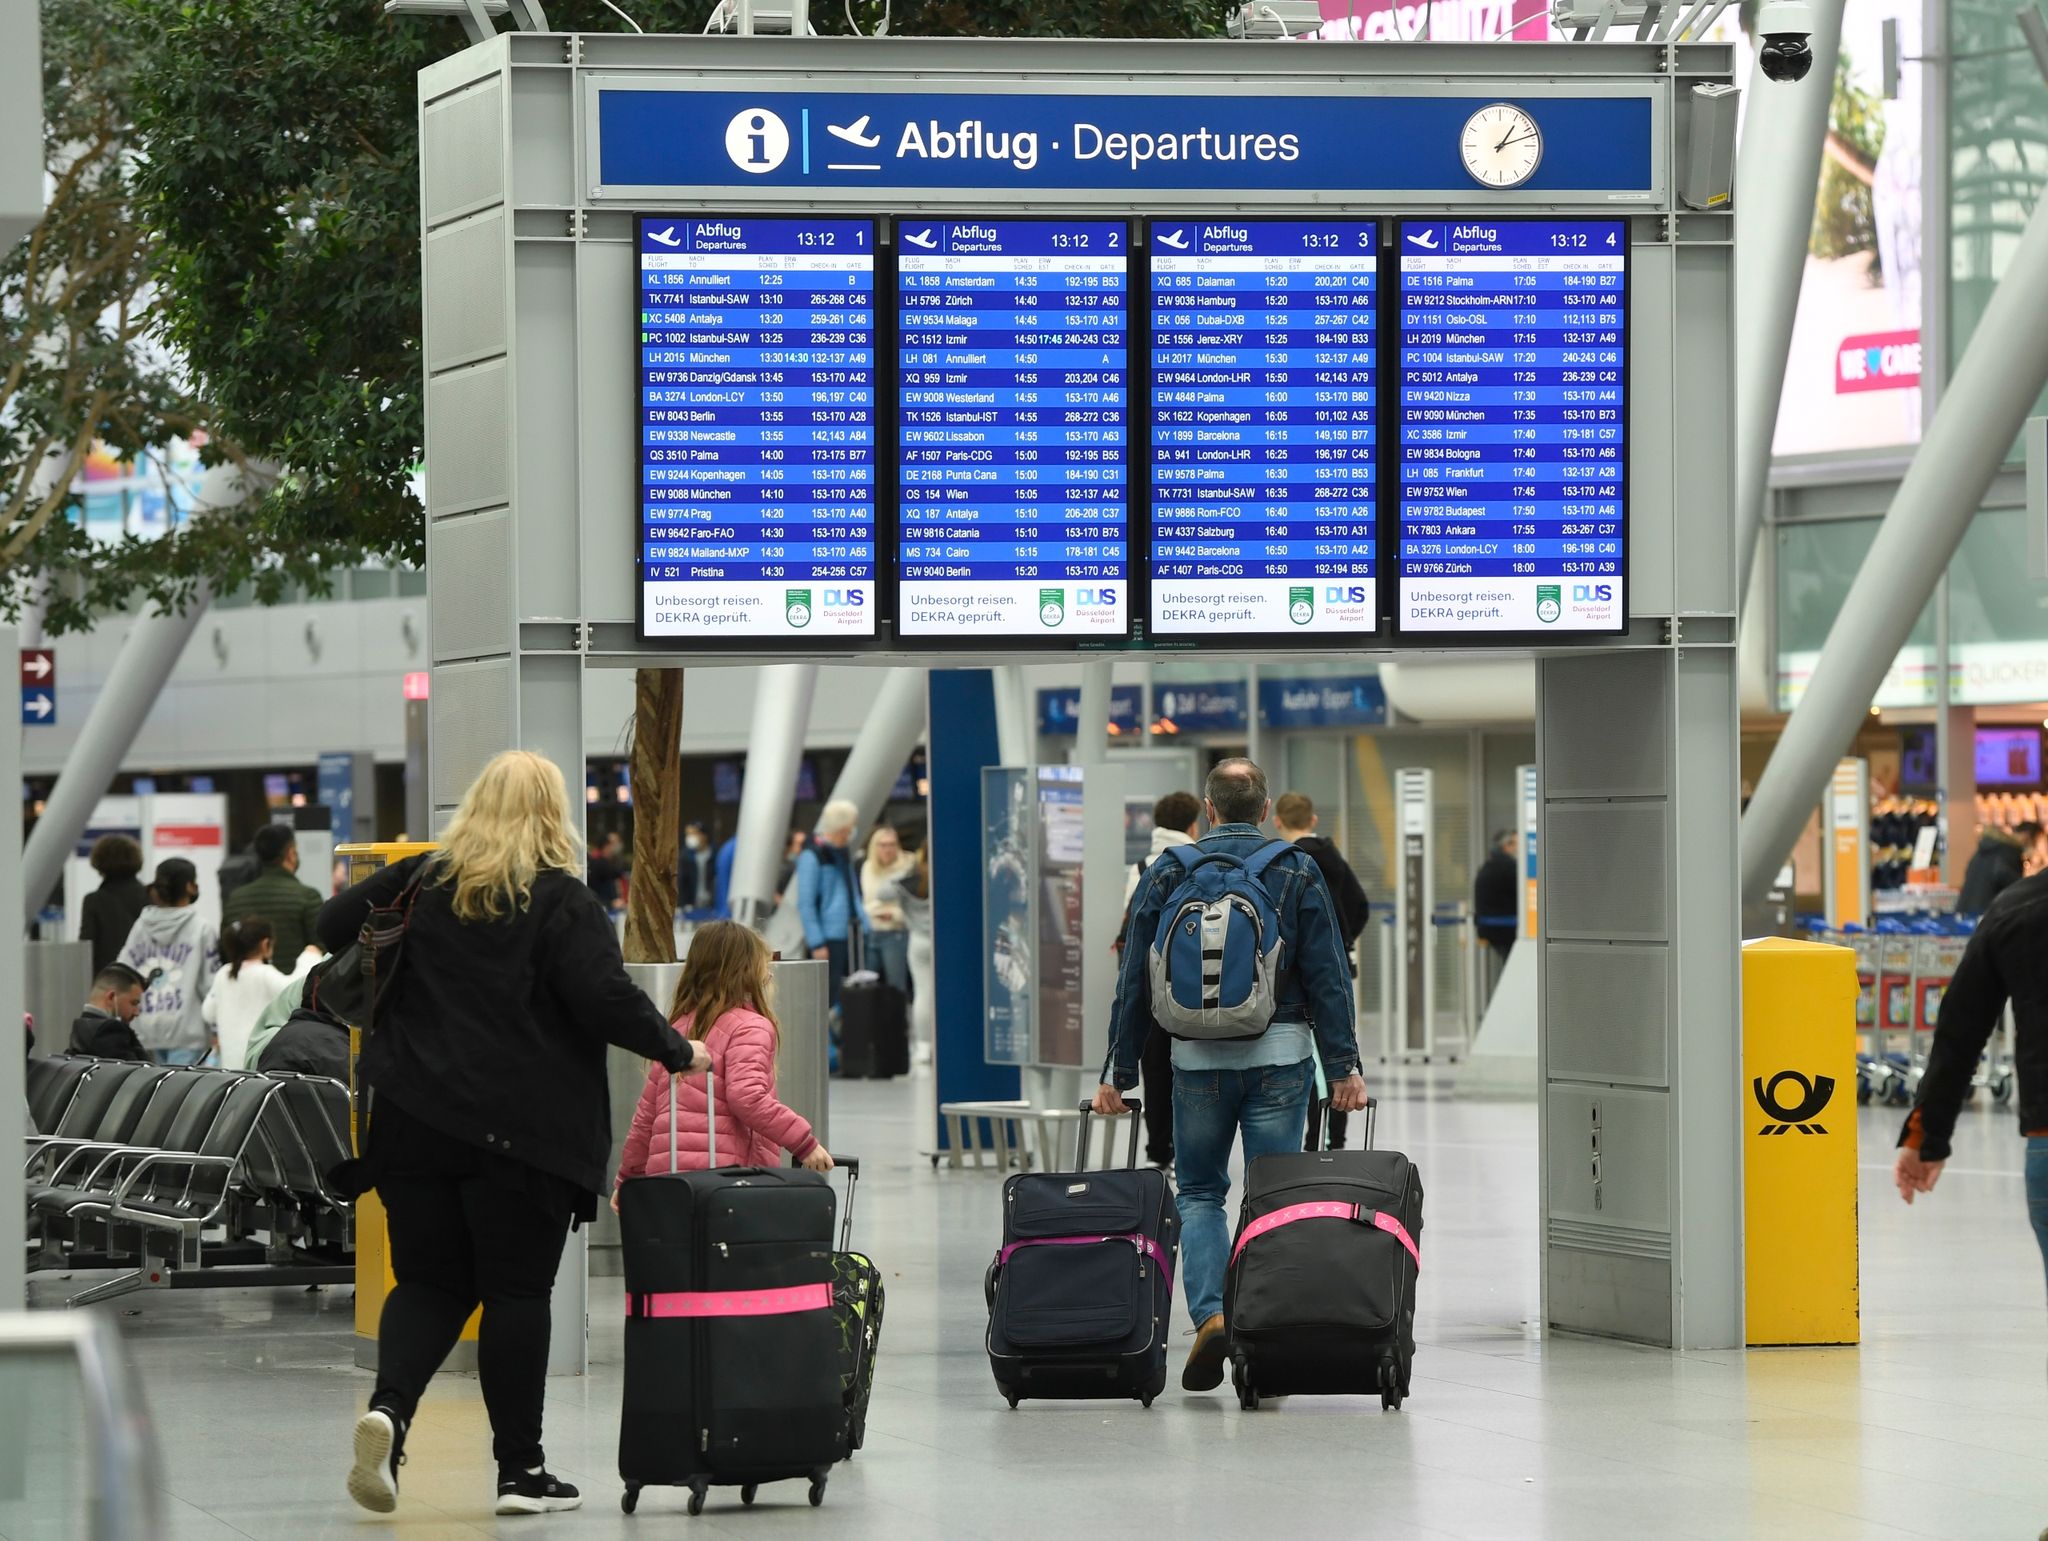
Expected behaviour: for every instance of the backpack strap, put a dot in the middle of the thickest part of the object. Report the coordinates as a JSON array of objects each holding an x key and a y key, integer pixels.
[{"x": 1256, "y": 864}]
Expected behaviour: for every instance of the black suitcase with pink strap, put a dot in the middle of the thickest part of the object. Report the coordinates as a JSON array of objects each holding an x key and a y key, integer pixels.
[{"x": 1320, "y": 1294}]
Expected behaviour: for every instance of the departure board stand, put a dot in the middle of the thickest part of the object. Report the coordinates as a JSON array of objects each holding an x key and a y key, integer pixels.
[{"x": 550, "y": 162}]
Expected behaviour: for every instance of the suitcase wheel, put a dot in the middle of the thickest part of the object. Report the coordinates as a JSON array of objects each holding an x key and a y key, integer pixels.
[
  {"x": 1247, "y": 1393},
  {"x": 1391, "y": 1392},
  {"x": 630, "y": 1499},
  {"x": 1146, "y": 1403},
  {"x": 817, "y": 1489},
  {"x": 698, "y": 1490},
  {"x": 747, "y": 1493}
]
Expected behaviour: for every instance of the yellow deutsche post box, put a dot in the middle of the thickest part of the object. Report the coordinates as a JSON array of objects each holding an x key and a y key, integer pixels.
[
  {"x": 373, "y": 1253},
  {"x": 1799, "y": 1142}
]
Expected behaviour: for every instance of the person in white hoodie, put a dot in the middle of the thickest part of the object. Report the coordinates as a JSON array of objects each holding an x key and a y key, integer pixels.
[
  {"x": 1174, "y": 818},
  {"x": 174, "y": 947},
  {"x": 246, "y": 987}
]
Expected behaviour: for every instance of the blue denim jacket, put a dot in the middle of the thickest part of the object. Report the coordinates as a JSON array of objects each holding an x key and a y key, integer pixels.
[{"x": 1315, "y": 976}]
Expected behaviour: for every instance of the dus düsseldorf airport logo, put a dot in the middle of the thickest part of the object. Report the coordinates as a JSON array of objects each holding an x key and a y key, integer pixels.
[{"x": 1814, "y": 1095}]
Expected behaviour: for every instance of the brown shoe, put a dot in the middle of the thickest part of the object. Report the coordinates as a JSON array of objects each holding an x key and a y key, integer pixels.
[{"x": 1204, "y": 1370}]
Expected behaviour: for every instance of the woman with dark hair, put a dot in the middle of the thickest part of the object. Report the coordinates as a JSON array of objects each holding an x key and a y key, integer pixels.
[
  {"x": 108, "y": 912},
  {"x": 489, "y": 1118},
  {"x": 176, "y": 948}
]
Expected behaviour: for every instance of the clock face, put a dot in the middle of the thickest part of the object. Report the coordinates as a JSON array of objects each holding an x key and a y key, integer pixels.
[{"x": 1501, "y": 146}]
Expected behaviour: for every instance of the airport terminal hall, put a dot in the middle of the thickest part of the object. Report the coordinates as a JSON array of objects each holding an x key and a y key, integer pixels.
[{"x": 962, "y": 769}]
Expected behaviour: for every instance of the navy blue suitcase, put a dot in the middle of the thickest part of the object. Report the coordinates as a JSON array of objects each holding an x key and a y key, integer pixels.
[{"x": 1081, "y": 1295}]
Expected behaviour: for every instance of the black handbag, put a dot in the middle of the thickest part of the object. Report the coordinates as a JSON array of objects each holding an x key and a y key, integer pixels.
[{"x": 381, "y": 945}]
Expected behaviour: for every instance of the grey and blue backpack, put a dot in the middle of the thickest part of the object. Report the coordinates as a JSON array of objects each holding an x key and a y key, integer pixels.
[{"x": 1216, "y": 955}]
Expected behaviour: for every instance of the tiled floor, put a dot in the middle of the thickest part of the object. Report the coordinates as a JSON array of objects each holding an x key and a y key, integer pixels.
[{"x": 1936, "y": 1427}]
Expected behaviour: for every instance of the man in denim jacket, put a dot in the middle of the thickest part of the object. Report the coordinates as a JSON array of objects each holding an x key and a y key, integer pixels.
[{"x": 1260, "y": 1086}]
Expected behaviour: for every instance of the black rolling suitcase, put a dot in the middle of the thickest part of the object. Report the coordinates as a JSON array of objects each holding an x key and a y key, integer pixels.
[
  {"x": 1081, "y": 1295},
  {"x": 1320, "y": 1295},
  {"x": 874, "y": 1029},
  {"x": 736, "y": 1365}
]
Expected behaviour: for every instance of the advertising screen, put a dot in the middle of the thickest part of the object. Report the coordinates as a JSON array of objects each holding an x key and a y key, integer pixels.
[
  {"x": 2008, "y": 757},
  {"x": 1013, "y": 431},
  {"x": 1264, "y": 347},
  {"x": 757, "y": 428},
  {"x": 1512, "y": 371}
]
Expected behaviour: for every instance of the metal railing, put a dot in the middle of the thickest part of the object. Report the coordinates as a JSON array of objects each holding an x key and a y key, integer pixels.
[{"x": 93, "y": 1475}]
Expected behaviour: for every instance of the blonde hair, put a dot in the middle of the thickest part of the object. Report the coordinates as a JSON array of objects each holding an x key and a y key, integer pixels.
[
  {"x": 512, "y": 826},
  {"x": 728, "y": 966}
]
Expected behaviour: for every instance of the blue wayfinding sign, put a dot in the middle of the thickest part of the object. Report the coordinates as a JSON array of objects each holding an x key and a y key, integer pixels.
[
  {"x": 1071, "y": 138},
  {"x": 1059, "y": 710},
  {"x": 1355, "y": 701}
]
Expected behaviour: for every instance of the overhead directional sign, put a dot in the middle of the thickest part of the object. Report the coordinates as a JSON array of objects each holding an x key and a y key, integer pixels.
[
  {"x": 38, "y": 686},
  {"x": 652, "y": 140}
]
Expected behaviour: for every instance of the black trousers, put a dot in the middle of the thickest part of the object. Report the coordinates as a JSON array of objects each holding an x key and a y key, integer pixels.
[
  {"x": 1155, "y": 1064},
  {"x": 838, "y": 964},
  {"x": 468, "y": 1228}
]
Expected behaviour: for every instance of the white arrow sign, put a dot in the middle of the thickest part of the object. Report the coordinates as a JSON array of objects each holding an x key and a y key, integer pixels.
[
  {"x": 37, "y": 666},
  {"x": 38, "y": 705}
]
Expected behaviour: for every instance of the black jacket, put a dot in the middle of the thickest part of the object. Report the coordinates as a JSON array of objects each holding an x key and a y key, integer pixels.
[
  {"x": 1998, "y": 864},
  {"x": 1353, "y": 908},
  {"x": 108, "y": 915},
  {"x": 494, "y": 1032},
  {"x": 105, "y": 1036},
  {"x": 310, "y": 1043},
  {"x": 1494, "y": 896},
  {"x": 2007, "y": 959}
]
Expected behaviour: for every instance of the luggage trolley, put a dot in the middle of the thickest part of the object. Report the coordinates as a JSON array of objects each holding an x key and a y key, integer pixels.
[
  {"x": 1877, "y": 1075},
  {"x": 1938, "y": 959}
]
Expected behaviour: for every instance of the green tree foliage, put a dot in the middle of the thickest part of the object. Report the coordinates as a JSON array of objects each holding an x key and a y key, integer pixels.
[{"x": 1843, "y": 220}]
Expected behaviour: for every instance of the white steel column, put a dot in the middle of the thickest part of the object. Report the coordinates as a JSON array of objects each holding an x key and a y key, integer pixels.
[
  {"x": 151, "y": 651},
  {"x": 891, "y": 731},
  {"x": 775, "y": 748},
  {"x": 13, "y": 1113},
  {"x": 1784, "y": 125},
  {"x": 1994, "y": 387},
  {"x": 1091, "y": 723}
]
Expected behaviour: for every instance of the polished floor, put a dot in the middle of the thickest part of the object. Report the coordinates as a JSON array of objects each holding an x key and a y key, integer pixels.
[{"x": 1936, "y": 1427}]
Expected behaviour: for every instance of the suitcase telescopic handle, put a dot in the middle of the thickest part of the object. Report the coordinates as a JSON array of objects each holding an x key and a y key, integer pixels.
[
  {"x": 1136, "y": 1106},
  {"x": 1319, "y": 1122},
  {"x": 850, "y": 1165}
]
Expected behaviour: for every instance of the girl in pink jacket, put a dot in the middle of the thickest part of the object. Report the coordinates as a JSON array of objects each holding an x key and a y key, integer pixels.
[{"x": 721, "y": 1001}]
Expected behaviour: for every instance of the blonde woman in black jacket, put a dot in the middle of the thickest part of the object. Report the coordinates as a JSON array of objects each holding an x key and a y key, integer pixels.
[{"x": 490, "y": 1123}]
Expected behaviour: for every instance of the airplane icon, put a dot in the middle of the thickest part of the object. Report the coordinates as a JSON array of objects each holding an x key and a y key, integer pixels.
[
  {"x": 1177, "y": 239},
  {"x": 920, "y": 238},
  {"x": 855, "y": 132},
  {"x": 666, "y": 237},
  {"x": 1427, "y": 240}
]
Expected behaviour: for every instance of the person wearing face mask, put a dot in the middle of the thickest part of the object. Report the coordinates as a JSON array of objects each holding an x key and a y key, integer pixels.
[
  {"x": 694, "y": 874},
  {"x": 174, "y": 942}
]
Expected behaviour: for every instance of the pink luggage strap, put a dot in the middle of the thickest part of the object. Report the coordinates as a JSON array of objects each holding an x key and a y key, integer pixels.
[
  {"x": 699, "y": 1303},
  {"x": 1138, "y": 1239},
  {"x": 1377, "y": 1218}
]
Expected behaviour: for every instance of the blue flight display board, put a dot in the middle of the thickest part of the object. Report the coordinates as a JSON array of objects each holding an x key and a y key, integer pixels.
[
  {"x": 757, "y": 428},
  {"x": 1512, "y": 373},
  {"x": 1013, "y": 431},
  {"x": 1264, "y": 352}
]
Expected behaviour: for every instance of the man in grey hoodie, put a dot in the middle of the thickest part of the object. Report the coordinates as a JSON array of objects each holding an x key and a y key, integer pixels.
[
  {"x": 172, "y": 940},
  {"x": 1174, "y": 818}
]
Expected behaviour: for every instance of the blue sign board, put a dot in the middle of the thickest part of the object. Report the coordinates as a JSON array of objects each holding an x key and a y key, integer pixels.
[
  {"x": 38, "y": 706},
  {"x": 1013, "y": 428},
  {"x": 1073, "y": 138},
  {"x": 1355, "y": 701},
  {"x": 1264, "y": 353},
  {"x": 1512, "y": 419},
  {"x": 334, "y": 788},
  {"x": 1209, "y": 706},
  {"x": 757, "y": 428},
  {"x": 1059, "y": 710}
]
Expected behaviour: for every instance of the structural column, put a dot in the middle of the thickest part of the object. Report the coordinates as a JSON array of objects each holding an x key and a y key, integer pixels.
[
  {"x": 1639, "y": 996},
  {"x": 775, "y": 748},
  {"x": 890, "y": 733}
]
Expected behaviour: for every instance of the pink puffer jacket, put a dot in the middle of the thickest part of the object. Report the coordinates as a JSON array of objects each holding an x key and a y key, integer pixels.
[{"x": 753, "y": 1127}]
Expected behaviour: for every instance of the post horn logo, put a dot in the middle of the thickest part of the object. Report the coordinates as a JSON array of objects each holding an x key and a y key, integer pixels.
[{"x": 1814, "y": 1094}]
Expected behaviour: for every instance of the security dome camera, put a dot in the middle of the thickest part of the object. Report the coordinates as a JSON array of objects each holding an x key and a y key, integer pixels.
[{"x": 1785, "y": 26}]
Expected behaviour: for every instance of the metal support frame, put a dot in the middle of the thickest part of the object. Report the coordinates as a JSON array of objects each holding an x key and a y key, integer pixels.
[
  {"x": 1776, "y": 169},
  {"x": 1994, "y": 387},
  {"x": 531, "y": 541}
]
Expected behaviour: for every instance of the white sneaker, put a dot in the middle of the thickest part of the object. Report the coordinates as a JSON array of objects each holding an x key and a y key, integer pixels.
[{"x": 373, "y": 1480}]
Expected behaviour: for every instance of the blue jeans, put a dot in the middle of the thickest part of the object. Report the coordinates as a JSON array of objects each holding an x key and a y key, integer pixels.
[
  {"x": 2037, "y": 1190},
  {"x": 1269, "y": 1103},
  {"x": 889, "y": 956},
  {"x": 179, "y": 1056}
]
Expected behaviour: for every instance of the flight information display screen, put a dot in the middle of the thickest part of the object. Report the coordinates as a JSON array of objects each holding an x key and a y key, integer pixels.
[
  {"x": 1512, "y": 373},
  {"x": 1264, "y": 350},
  {"x": 757, "y": 428},
  {"x": 1013, "y": 429}
]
